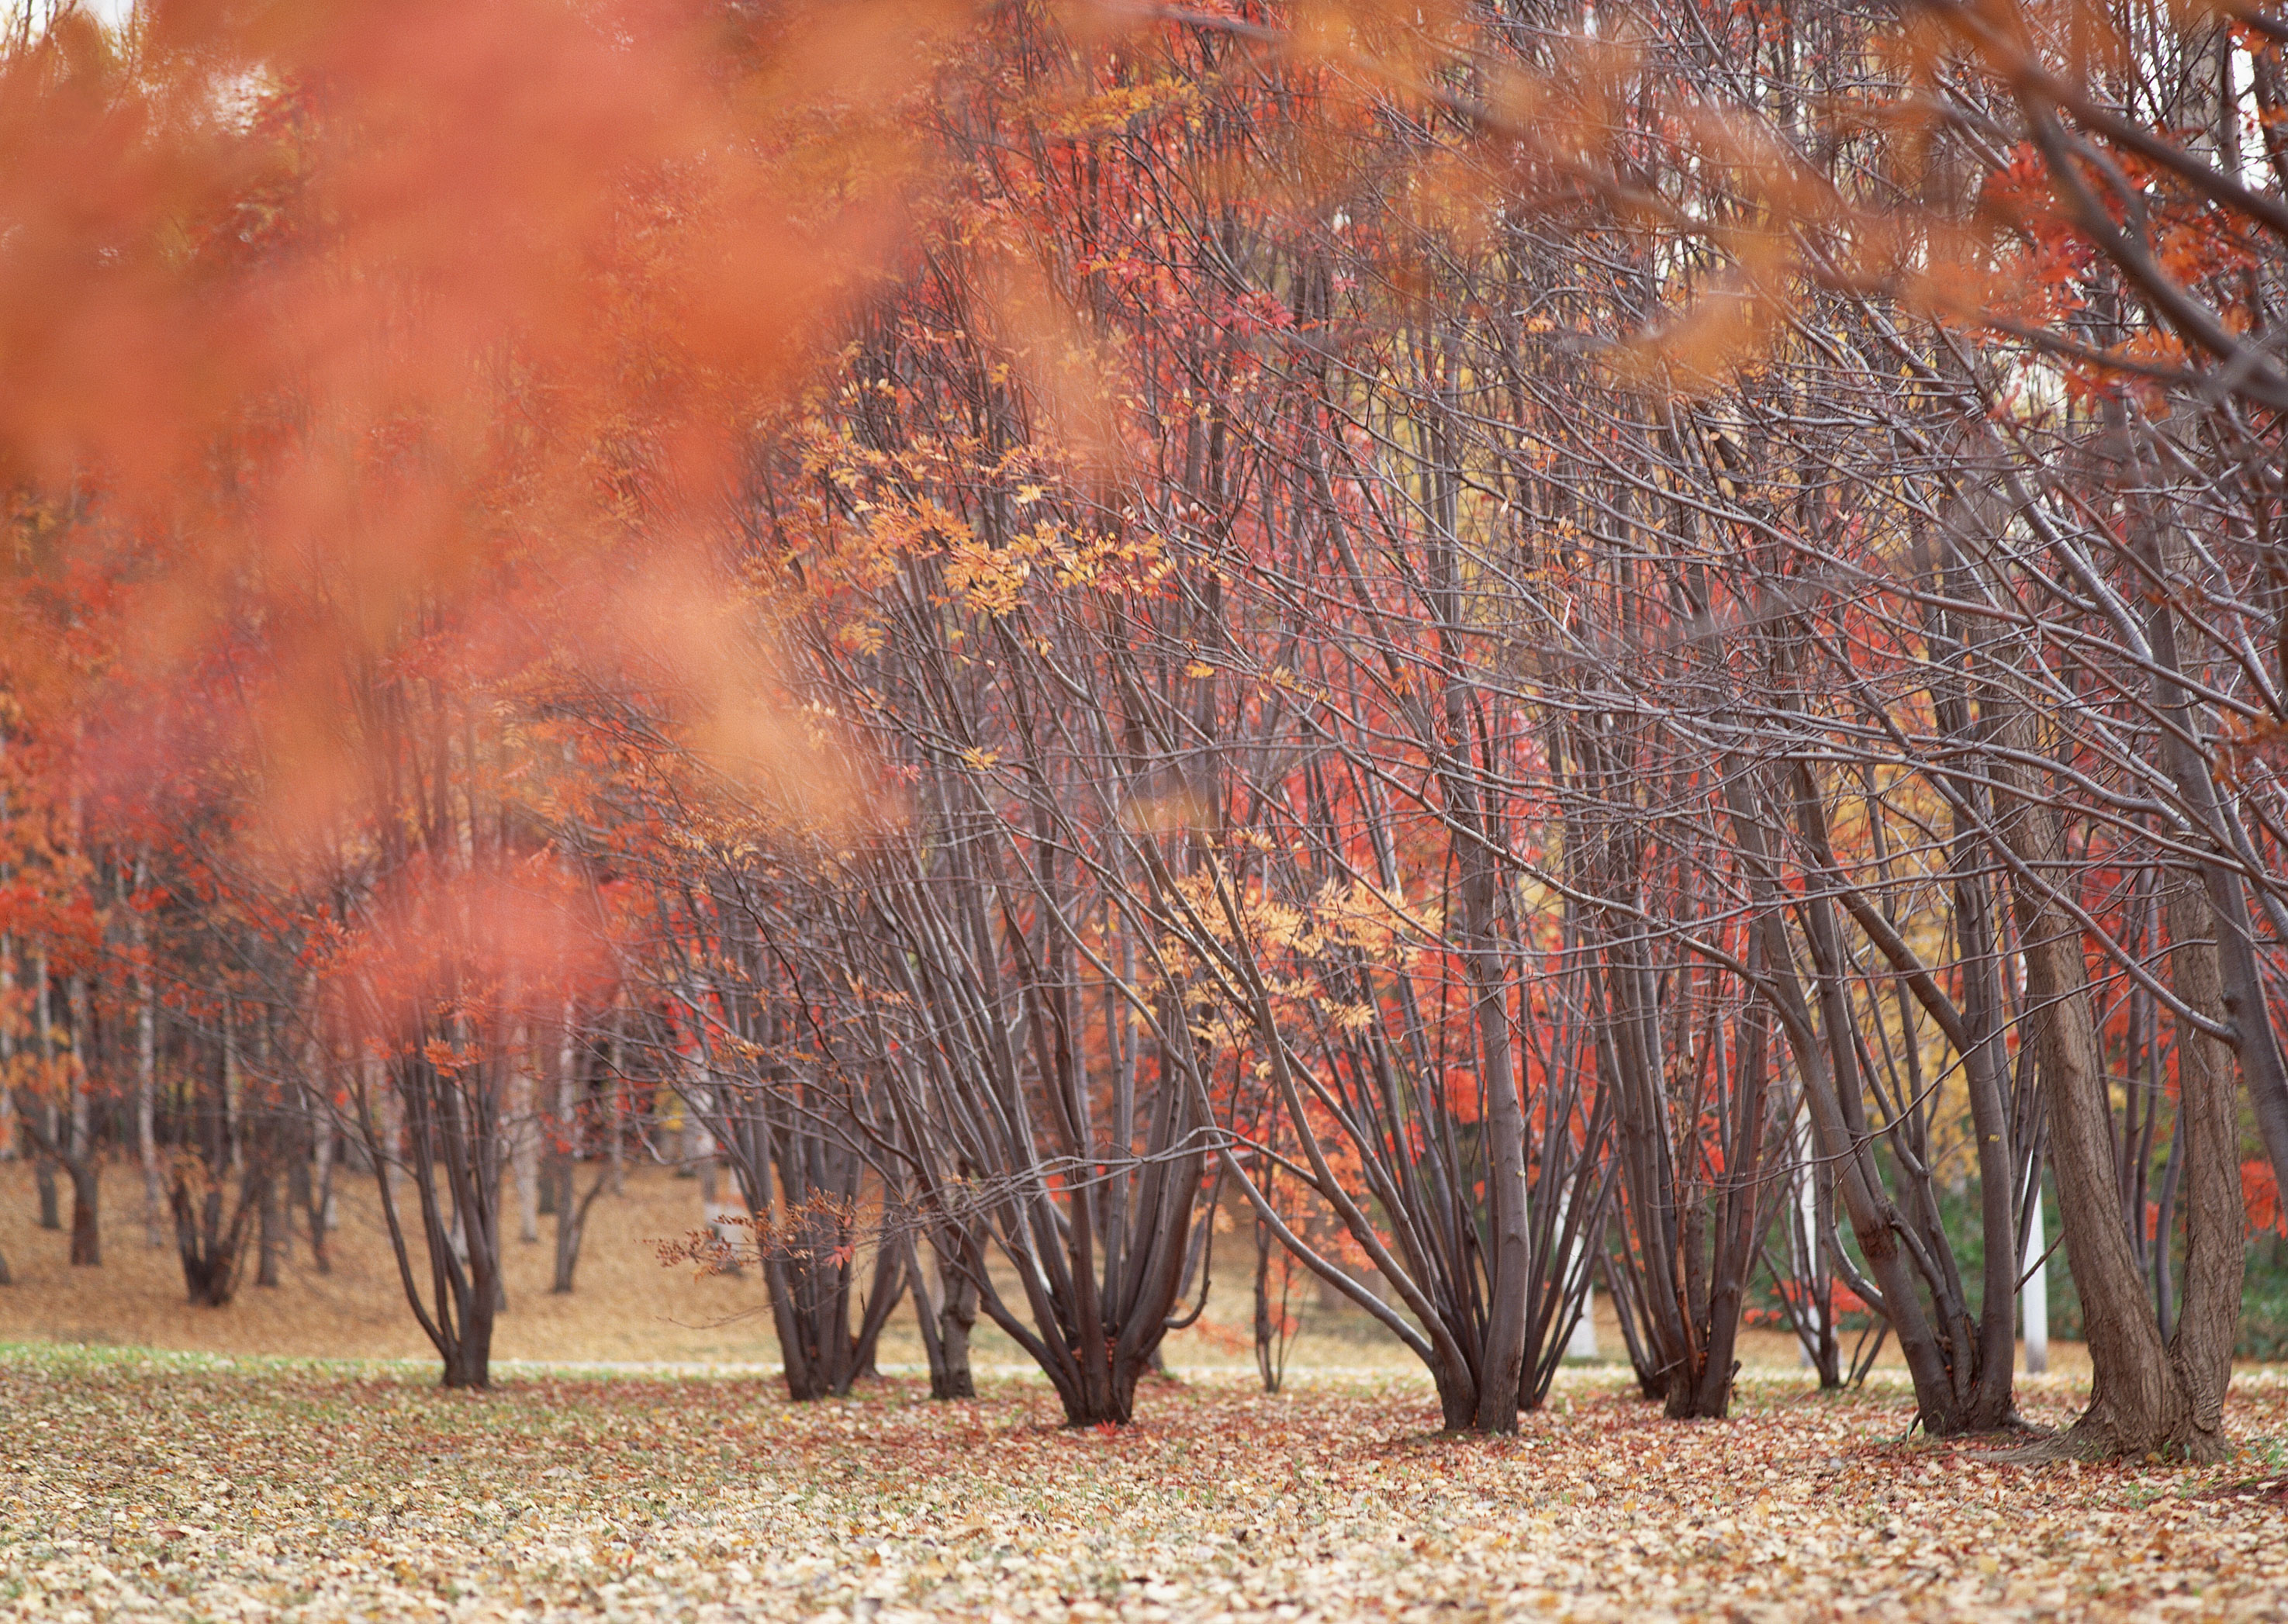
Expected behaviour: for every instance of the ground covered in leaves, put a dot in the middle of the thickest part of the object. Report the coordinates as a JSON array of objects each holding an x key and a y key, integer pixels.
[{"x": 171, "y": 1486}]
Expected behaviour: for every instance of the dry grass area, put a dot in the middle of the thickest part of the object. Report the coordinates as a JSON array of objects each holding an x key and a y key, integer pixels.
[
  {"x": 139, "y": 1486},
  {"x": 627, "y": 1308}
]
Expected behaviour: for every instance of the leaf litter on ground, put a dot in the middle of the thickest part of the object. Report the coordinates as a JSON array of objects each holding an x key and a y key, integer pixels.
[{"x": 175, "y": 1487}]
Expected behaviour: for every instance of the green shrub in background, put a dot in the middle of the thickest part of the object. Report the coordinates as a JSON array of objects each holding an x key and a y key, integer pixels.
[
  {"x": 2264, "y": 1300},
  {"x": 2263, "y": 1332},
  {"x": 2264, "y": 1295}
]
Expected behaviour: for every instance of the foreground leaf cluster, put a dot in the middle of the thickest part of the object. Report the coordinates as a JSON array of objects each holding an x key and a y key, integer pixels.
[{"x": 141, "y": 1486}]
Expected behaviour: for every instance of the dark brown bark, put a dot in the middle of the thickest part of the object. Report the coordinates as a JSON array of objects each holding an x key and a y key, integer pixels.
[
  {"x": 801, "y": 1190},
  {"x": 210, "y": 1235},
  {"x": 86, "y": 1231},
  {"x": 451, "y": 1155},
  {"x": 1827, "y": 1063},
  {"x": 61, "y": 1143},
  {"x": 270, "y": 1233},
  {"x": 946, "y": 1320},
  {"x": 1974, "y": 1355},
  {"x": 571, "y": 1208},
  {"x": 2200, "y": 1346},
  {"x": 2142, "y": 1399},
  {"x": 312, "y": 1192},
  {"x": 1742, "y": 1212}
]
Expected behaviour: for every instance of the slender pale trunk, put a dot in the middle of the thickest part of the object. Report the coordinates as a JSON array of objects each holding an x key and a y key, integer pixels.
[
  {"x": 329, "y": 1217},
  {"x": 87, "y": 1231},
  {"x": 571, "y": 1209},
  {"x": 1582, "y": 1344},
  {"x": 230, "y": 1084},
  {"x": 390, "y": 1150},
  {"x": 524, "y": 1141},
  {"x": 2037, "y": 1293},
  {"x": 614, "y": 1147},
  {"x": 264, "y": 1154}
]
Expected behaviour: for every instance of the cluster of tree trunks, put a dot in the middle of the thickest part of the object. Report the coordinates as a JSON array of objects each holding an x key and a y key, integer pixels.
[{"x": 1522, "y": 695}]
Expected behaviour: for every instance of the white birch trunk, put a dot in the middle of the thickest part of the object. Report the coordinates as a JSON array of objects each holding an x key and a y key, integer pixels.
[
  {"x": 1805, "y": 1242},
  {"x": 524, "y": 1143},
  {"x": 2036, "y": 1297},
  {"x": 1583, "y": 1343}
]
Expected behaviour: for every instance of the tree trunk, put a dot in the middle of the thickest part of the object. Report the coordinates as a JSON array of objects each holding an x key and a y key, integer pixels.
[
  {"x": 87, "y": 1233},
  {"x": 524, "y": 1158},
  {"x": 270, "y": 1231},
  {"x": 2036, "y": 1306},
  {"x": 468, "y": 1363},
  {"x": 1510, "y": 1252},
  {"x": 44, "y": 1178},
  {"x": 616, "y": 1112},
  {"x": 946, "y": 1320},
  {"x": 317, "y": 1198},
  {"x": 1273, "y": 1335},
  {"x": 208, "y": 1236},
  {"x": 1827, "y": 1067},
  {"x": 2215, "y": 1224},
  {"x": 146, "y": 1073},
  {"x": 1706, "y": 1392},
  {"x": 2144, "y": 1399},
  {"x": 885, "y": 1292},
  {"x": 452, "y": 1127},
  {"x": 572, "y": 1221}
]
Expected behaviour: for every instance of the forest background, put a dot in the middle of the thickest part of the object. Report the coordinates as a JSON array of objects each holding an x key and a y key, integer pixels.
[{"x": 1525, "y": 652}]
